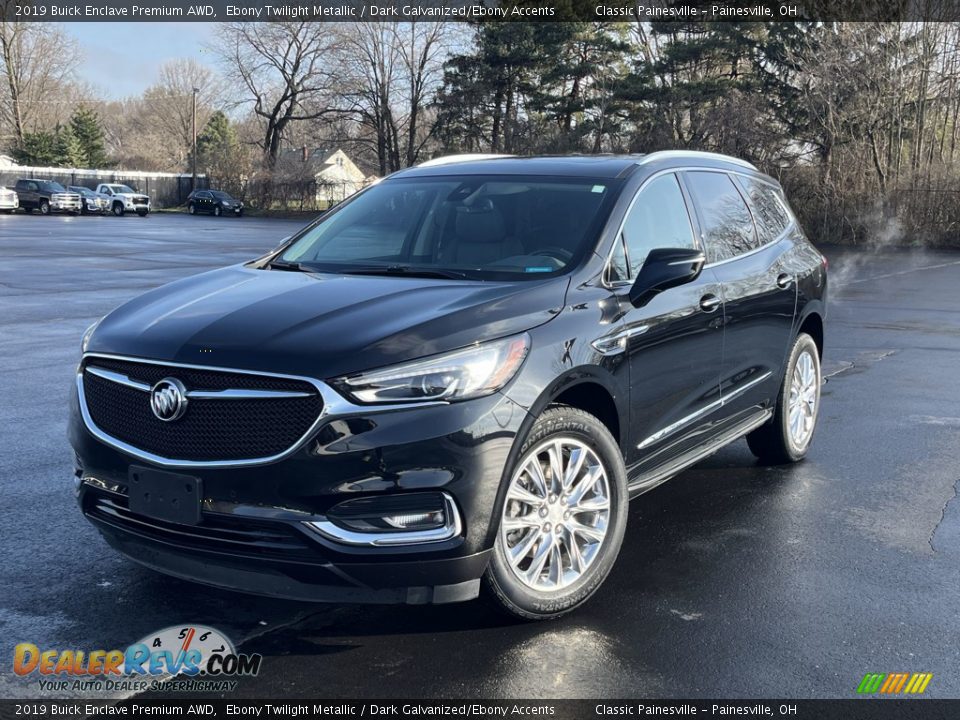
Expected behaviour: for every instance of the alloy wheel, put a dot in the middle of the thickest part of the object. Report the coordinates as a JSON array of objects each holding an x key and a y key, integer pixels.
[
  {"x": 556, "y": 514},
  {"x": 802, "y": 407}
]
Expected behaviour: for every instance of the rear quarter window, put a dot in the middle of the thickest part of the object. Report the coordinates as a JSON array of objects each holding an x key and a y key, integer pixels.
[{"x": 769, "y": 211}]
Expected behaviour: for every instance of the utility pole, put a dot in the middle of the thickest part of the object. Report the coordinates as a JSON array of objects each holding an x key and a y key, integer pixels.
[{"x": 193, "y": 180}]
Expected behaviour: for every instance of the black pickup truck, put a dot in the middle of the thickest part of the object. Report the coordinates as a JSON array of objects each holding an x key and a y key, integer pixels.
[{"x": 46, "y": 196}]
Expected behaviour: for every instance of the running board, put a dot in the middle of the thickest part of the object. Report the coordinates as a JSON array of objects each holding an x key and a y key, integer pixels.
[{"x": 649, "y": 480}]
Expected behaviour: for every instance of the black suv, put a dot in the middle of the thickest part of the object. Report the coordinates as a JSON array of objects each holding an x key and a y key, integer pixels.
[
  {"x": 454, "y": 382},
  {"x": 213, "y": 202}
]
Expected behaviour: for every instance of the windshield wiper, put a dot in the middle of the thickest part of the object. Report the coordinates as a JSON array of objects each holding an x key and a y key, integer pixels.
[
  {"x": 292, "y": 266},
  {"x": 407, "y": 270}
]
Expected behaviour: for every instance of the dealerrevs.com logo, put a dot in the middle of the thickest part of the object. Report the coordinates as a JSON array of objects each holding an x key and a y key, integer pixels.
[
  {"x": 894, "y": 683},
  {"x": 190, "y": 658}
]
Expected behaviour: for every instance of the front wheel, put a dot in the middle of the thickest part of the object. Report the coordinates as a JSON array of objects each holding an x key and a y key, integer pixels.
[
  {"x": 142, "y": 213},
  {"x": 562, "y": 518},
  {"x": 787, "y": 437},
  {"x": 118, "y": 209},
  {"x": 217, "y": 211},
  {"x": 44, "y": 207}
]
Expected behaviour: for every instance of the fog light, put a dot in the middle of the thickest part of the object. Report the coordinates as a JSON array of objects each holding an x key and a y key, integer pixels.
[
  {"x": 415, "y": 521},
  {"x": 407, "y": 519}
]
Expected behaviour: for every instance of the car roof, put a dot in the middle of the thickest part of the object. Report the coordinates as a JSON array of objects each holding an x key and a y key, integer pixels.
[{"x": 592, "y": 166}]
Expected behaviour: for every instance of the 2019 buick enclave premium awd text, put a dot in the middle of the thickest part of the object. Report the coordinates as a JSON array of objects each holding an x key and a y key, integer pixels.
[{"x": 454, "y": 382}]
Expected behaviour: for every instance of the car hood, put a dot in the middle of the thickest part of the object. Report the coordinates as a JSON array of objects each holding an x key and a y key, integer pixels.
[{"x": 319, "y": 325}]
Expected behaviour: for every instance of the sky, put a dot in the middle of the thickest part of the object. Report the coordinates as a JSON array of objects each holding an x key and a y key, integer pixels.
[{"x": 122, "y": 59}]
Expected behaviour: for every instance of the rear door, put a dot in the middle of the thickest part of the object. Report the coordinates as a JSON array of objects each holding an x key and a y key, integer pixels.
[
  {"x": 674, "y": 343},
  {"x": 741, "y": 234},
  {"x": 27, "y": 193}
]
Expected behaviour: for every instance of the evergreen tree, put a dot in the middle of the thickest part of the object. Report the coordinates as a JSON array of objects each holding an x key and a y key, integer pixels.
[
  {"x": 39, "y": 149},
  {"x": 218, "y": 137},
  {"x": 85, "y": 127},
  {"x": 69, "y": 152}
]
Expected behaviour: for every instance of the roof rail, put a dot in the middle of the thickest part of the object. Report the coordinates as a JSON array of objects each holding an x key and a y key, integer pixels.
[
  {"x": 465, "y": 157},
  {"x": 693, "y": 155}
]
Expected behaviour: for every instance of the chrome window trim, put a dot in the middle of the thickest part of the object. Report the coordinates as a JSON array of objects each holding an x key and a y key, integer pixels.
[
  {"x": 699, "y": 236},
  {"x": 451, "y": 529},
  {"x": 334, "y": 406}
]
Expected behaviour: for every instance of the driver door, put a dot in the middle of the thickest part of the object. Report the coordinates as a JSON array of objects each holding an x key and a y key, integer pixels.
[{"x": 675, "y": 340}]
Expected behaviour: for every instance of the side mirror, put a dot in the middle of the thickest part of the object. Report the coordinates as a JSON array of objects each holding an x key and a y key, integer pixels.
[{"x": 665, "y": 268}]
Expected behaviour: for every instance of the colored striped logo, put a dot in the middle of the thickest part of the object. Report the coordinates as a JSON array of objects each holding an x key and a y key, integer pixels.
[{"x": 894, "y": 683}]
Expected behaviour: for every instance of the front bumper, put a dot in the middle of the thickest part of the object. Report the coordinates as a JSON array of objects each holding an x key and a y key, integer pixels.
[
  {"x": 65, "y": 205},
  {"x": 253, "y": 535}
]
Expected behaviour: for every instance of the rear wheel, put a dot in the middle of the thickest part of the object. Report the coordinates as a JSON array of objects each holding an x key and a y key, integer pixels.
[
  {"x": 562, "y": 519},
  {"x": 118, "y": 209},
  {"x": 787, "y": 437}
]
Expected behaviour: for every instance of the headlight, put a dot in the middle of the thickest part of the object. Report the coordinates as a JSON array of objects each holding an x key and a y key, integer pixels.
[
  {"x": 225, "y": 203},
  {"x": 459, "y": 375},
  {"x": 87, "y": 334}
]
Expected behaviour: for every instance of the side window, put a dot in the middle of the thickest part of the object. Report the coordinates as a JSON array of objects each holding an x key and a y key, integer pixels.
[
  {"x": 727, "y": 224},
  {"x": 658, "y": 219},
  {"x": 617, "y": 270},
  {"x": 768, "y": 212}
]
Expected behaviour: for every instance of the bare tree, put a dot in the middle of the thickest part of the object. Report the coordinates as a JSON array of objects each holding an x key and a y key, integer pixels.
[
  {"x": 286, "y": 70},
  {"x": 38, "y": 60},
  {"x": 169, "y": 106},
  {"x": 392, "y": 71}
]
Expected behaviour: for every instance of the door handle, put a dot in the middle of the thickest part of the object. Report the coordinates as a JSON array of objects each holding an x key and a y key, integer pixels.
[
  {"x": 709, "y": 303},
  {"x": 783, "y": 281}
]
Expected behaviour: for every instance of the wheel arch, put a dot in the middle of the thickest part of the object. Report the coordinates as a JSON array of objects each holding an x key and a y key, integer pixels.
[
  {"x": 812, "y": 324},
  {"x": 587, "y": 390}
]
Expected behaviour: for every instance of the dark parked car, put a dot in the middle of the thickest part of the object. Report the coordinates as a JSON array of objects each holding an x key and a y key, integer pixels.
[
  {"x": 213, "y": 202},
  {"x": 46, "y": 196},
  {"x": 454, "y": 382},
  {"x": 91, "y": 202}
]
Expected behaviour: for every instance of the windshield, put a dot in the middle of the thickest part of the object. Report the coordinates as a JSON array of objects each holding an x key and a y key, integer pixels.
[
  {"x": 121, "y": 188},
  {"x": 221, "y": 195},
  {"x": 86, "y": 192},
  {"x": 479, "y": 226},
  {"x": 51, "y": 186}
]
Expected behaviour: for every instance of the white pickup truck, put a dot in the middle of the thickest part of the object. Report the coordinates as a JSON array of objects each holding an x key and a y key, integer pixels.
[{"x": 123, "y": 198}]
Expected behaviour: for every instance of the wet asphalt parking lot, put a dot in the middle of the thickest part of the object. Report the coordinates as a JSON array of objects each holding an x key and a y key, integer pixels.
[{"x": 735, "y": 579}]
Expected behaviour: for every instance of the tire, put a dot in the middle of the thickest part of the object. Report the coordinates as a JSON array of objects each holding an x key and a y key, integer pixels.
[
  {"x": 555, "y": 587},
  {"x": 44, "y": 207},
  {"x": 142, "y": 213},
  {"x": 8, "y": 212},
  {"x": 191, "y": 209},
  {"x": 779, "y": 442},
  {"x": 118, "y": 209},
  {"x": 217, "y": 211}
]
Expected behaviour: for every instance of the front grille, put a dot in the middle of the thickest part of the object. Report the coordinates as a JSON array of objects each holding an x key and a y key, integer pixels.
[
  {"x": 139, "y": 201},
  {"x": 211, "y": 429},
  {"x": 217, "y": 532}
]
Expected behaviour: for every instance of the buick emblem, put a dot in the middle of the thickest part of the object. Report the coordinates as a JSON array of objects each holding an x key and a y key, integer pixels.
[{"x": 168, "y": 399}]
